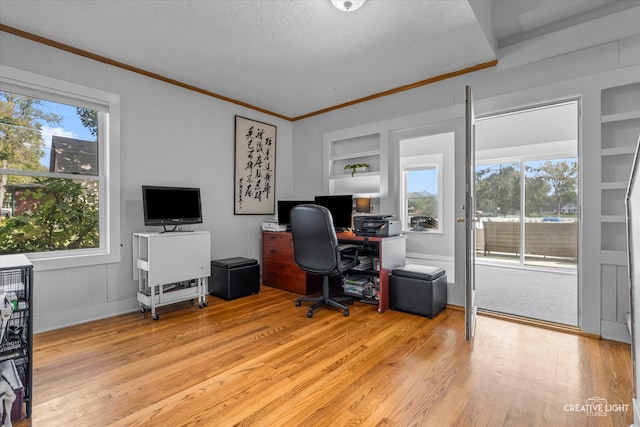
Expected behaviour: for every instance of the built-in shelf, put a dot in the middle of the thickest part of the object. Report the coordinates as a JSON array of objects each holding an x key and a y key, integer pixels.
[
  {"x": 616, "y": 185},
  {"x": 356, "y": 176},
  {"x": 613, "y": 257},
  {"x": 618, "y": 151},
  {"x": 355, "y": 155},
  {"x": 618, "y": 117},
  {"x": 612, "y": 218}
]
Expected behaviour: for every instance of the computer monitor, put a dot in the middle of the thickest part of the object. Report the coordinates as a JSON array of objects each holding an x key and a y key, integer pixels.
[
  {"x": 284, "y": 209},
  {"x": 341, "y": 208}
]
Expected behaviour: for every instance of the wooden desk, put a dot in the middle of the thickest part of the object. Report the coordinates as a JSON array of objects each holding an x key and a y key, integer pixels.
[{"x": 279, "y": 269}]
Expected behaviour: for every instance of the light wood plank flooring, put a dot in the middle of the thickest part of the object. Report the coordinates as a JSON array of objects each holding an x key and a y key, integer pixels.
[{"x": 259, "y": 361}]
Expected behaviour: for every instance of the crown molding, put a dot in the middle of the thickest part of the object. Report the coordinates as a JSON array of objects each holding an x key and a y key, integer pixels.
[{"x": 118, "y": 64}]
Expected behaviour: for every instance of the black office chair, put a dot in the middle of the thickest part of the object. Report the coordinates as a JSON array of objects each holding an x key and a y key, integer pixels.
[{"x": 316, "y": 250}]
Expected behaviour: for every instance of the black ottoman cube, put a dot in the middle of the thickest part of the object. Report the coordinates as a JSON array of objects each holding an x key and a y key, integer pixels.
[
  {"x": 233, "y": 278},
  {"x": 418, "y": 289}
]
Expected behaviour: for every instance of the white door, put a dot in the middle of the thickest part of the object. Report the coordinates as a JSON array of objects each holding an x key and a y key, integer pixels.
[{"x": 470, "y": 308}]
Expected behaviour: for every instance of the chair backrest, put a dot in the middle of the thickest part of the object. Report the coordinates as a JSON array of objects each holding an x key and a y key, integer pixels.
[{"x": 314, "y": 239}]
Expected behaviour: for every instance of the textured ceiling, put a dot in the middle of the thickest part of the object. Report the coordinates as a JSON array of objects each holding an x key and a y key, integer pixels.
[{"x": 290, "y": 57}]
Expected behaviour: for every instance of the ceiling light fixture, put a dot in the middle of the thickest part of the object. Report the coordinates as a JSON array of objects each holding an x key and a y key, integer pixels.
[{"x": 346, "y": 5}]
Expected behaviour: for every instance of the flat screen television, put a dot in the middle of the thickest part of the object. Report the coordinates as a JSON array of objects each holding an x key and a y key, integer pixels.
[
  {"x": 341, "y": 208},
  {"x": 171, "y": 206},
  {"x": 284, "y": 209}
]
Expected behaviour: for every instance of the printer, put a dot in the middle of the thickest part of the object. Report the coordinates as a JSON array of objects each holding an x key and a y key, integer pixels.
[{"x": 376, "y": 226}]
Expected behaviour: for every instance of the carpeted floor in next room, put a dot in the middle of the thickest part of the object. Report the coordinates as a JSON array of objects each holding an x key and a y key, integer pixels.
[{"x": 538, "y": 294}]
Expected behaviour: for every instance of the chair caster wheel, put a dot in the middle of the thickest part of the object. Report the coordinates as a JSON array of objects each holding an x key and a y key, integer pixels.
[
  {"x": 346, "y": 313},
  {"x": 309, "y": 314},
  {"x": 350, "y": 302},
  {"x": 297, "y": 303}
]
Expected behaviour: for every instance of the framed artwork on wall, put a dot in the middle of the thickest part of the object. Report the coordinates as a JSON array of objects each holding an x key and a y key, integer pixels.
[{"x": 255, "y": 168}]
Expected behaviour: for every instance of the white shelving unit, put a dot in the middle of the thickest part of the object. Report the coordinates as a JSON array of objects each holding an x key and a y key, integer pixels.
[
  {"x": 353, "y": 150},
  {"x": 620, "y": 127},
  {"x": 171, "y": 267}
]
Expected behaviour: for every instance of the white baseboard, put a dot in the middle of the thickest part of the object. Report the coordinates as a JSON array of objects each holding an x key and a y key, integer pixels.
[
  {"x": 66, "y": 318},
  {"x": 615, "y": 331},
  {"x": 430, "y": 257}
]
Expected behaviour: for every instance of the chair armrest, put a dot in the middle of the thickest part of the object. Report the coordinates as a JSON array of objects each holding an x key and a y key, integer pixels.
[
  {"x": 348, "y": 251},
  {"x": 348, "y": 246},
  {"x": 347, "y": 255}
]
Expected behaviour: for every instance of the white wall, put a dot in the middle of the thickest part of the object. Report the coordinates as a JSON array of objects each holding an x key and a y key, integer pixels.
[
  {"x": 169, "y": 136},
  {"x": 582, "y": 73}
]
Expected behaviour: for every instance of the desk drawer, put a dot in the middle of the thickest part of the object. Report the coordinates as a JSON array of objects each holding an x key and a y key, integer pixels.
[
  {"x": 278, "y": 240},
  {"x": 285, "y": 276},
  {"x": 279, "y": 269},
  {"x": 276, "y": 254}
]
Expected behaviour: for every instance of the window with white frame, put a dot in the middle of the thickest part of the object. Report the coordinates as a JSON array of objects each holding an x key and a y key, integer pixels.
[
  {"x": 421, "y": 197},
  {"x": 55, "y": 143}
]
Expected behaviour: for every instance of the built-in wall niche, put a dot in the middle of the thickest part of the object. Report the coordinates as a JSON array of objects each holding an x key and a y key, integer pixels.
[
  {"x": 338, "y": 170},
  {"x": 621, "y": 100},
  {"x": 614, "y": 236},
  {"x": 618, "y": 136},
  {"x": 355, "y": 147},
  {"x": 354, "y": 151},
  {"x": 613, "y": 202},
  {"x": 616, "y": 168}
]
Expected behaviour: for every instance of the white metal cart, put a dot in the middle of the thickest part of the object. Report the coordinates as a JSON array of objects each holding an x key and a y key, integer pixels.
[{"x": 171, "y": 267}]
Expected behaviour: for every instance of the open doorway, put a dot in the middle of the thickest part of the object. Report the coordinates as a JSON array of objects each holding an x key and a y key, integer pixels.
[{"x": 527, "y": 203}]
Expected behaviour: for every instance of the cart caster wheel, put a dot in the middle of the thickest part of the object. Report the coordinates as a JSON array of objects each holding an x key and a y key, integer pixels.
[
  {"x": 297, "y": 303},
  {"x": 155, "y": 316},
  {"x": 205, "y": 303},
  {"x": 350, "y": 301},
  {"x": 143, "y": 310},
  {"x": 310, "y": 313},
  {"x": 202, "y": 304},
  {"x": 346, "y": 313}
]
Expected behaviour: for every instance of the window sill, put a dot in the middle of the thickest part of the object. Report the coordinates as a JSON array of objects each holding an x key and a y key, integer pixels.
[
  {"x": 45, "y": 261},
  {"x": 423, "y": 232}
]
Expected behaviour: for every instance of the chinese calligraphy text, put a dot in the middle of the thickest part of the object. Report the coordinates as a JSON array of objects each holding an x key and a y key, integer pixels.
[{"x": 254, "y": 167}]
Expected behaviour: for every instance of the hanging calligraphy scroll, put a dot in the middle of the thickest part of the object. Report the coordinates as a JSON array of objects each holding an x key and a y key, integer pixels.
[{"x": 255, "y": 173}]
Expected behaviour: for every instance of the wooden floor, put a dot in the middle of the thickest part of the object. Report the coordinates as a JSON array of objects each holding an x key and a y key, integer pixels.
[{"x": 259, "y": 361}]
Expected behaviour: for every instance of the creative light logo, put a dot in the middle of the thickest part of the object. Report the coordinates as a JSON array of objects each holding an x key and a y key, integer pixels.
[{"x": 596, "y": 407}]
